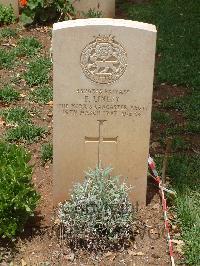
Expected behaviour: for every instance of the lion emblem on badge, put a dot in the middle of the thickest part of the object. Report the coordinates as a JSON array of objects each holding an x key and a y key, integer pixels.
[{"x": 104, "y": 60}]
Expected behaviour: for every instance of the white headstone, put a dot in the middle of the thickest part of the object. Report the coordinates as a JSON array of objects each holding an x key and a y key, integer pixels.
[
  {"x": 106, "y": 7},
  {"x": 103, "y": 81}
]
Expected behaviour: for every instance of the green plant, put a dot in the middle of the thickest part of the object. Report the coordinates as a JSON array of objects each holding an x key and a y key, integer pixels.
[
  {"x": 179, "y": 143},
  {"x": 6, "y": 15},
  {"x": 25, "y": 133},
  {"x": 28, "y": 46},
  {"x": 41, "y": 95},
  {"x": 8, "y": 33},
  {"x": 7, "y": 58},
  {"x": 46, "y": 10},
  {"x": 178, "y": 50},
  {"x": 189, "y": 105},
  {"x": 99, "y": 214},
  {"x": 92, "y": 13},
  {"x": 16, "y": 116},
  {"x": 18, "y": 198},
  {"x": 162, "y": 118},
  {"x": 38, "y": 71},
  {"x": 184, "y": 171},
  {"x": 47, "y": 153},
  {"x": 8, "y": 94}
]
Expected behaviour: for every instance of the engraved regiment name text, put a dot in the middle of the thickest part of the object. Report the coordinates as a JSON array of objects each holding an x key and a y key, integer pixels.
[{"x": 105, "y": 102}]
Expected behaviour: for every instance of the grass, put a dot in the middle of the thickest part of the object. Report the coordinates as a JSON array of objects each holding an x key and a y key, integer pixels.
[
  {"x": 25, "y": 133},
  {"x": 184, "y": 170},
  {"x": 8, "y": 94},
  {"x": 46, "y": 153},
  {"x": 28, "y": 46},
  {"x": 161, "y": 117},
  {"x": 177, "y": 23},
  {"x": 7, "y": 58},
  {"x": 178, "y": 53},
  {"x": 17, "y": 115},
  {"x": 8, "y": 33},
  {"x": 38, "y": 72},
  {"x": 178, "y": 143},
  {"x": 189, "y": 105},
  {"x": 41, "y": 95},
  {"x": 186, "y": 128}
]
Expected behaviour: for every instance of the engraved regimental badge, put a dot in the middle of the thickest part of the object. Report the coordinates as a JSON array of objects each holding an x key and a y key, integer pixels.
[{"x": 104, "y": 60}]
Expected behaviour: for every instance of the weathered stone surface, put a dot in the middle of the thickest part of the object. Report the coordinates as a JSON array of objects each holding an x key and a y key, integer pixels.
[
  {"x": 103, "y": 80},
  {"x": 14, "y": 4},
  {"x": 106, "y": 6}
]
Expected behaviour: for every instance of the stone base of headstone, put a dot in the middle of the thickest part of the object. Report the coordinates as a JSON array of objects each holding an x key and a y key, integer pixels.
[
  {"x": 107, "y": 7},
  {"x": 13, "y": 3}
]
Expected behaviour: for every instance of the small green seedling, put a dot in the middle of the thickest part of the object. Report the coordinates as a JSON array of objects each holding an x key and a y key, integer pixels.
[
  {"x": 7, "y": 58},
  {"x": 28, "y": 46},
  {"x": 8, "y": 94},
  {"x": 25, "y": 133},
  {"x": 41, "y": 95},
  {"x": 47, "y": 153},
  {"x": 38, "y": 71},
  {"x": 16, "y": 116},
  {"x": 8, "y": 33}
]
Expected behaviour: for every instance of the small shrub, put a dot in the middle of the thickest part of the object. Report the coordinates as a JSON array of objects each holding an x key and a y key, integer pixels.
[
  {"x": 25, "y": 133},
  {"x": 6, "y": 15},
  {"x": 8, "y": 33},
  {"x": 38, "y": 72},
  {"x": 17, "y": 116},
  {"x": 28, "y": 46},
  {"x": 46, "y": 10},
  {"x": 7, "y": 58},
  {"x": 99, "y": 214},
  {"x": 8, "y": 94},
  {"x": 47, "y": 153},
  {"x": 18, "y": 198},
  {"x": 41, "y": 95}
]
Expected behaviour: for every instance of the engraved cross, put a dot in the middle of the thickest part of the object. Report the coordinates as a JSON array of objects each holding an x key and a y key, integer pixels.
[{"x": 100, "y": 140}]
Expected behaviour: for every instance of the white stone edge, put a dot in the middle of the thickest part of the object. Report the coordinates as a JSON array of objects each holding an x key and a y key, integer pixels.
[{"x": 104, "y": 22}]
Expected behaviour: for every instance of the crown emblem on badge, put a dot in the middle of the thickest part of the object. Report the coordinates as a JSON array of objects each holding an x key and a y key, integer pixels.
[{"x": 104, "y": 38}]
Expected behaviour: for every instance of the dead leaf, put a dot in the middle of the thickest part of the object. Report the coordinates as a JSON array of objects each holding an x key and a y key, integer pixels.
[
  {"x": 108, "y": 254},
  {"x": 155, "y": 145},
  {"x": 50, "y": 103},
  {"x": 70, "y": 257},
  {"x": 23, "y": 262},
  {"x": 179, "y": 244},
  {"x": 156, "y": 206},
  {"x": 134, "y": 246},
  {"x": 22, "y": 95},
  {"x": 57, "y": 222},
  {"x": 2, "y": 122},
  {"x": 133, "y": 253}
]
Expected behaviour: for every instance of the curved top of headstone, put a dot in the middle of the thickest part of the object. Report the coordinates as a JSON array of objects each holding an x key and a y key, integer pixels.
[{"x": 104, "y": 22}]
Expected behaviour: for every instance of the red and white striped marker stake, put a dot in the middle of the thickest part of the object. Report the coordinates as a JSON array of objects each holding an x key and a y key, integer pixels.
[{"x": 157, "y": 178}]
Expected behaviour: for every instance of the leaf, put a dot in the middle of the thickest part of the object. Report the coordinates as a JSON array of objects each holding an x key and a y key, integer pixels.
[{"x": 27, "y": 19}]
